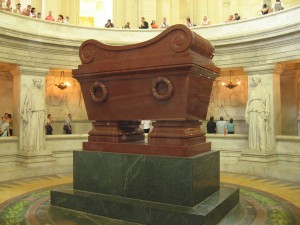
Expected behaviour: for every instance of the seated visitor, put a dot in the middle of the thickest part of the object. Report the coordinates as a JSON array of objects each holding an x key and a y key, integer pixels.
[
  {"x": 144, "y": 24},
  {"x": 18, "y": 9},
  {"x": 221, "y": 126},
  {"x": 164, "y": 23},
  {"x": 39, "y": 16},
  {"x": 27, "y": 11},
  {"x": 205, "y": 21},
  {"x": 211, "y": 126},
  {"x": 50, "y": 17},
  {"x": 154, "y": 25},
  {"x": 230, "y": 127},
  {"x": 278, "y": 5},
  {"x": 109, "y": 24},
  {"x": 127, "y": 26}
]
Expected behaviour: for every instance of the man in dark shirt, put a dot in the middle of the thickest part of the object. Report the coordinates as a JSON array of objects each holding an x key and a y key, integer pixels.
[
  {"x": 144, "y": 24},
  {"x": 211, "y": 126}
]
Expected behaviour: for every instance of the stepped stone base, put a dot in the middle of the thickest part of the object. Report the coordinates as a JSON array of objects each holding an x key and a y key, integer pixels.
[{"x": 149, "y": 189}]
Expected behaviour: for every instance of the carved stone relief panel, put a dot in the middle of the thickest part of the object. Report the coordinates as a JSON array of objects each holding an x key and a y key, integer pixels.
[
  {"x": 60, "y": 102},
  {"x": 229, "y": 103}
]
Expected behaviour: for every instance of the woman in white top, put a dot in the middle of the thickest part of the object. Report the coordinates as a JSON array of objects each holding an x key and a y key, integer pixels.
[{"x": 4, "y": 128}]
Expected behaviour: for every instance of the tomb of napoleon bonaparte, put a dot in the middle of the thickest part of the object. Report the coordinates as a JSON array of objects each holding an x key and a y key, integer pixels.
[{"x": 174, "y": 177}]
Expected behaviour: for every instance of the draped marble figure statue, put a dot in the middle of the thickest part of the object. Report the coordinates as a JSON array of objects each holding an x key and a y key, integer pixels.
[
  {"x": 257, "y": 115},
  {"x": 33, "y": 116}
]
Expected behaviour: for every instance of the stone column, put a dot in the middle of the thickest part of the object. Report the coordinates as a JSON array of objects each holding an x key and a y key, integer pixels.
[
  {"x": 32, "y": 118},
  {"x": 174, "y": 8},
  {"x": 71, "y": 8},
  {"x": 36, "y": 4},
  {"x": 132, "y": 15},
  {"x": 270, "y": 80},
  {"x": 52, "y": 5},
  {"x": 147, "y": 9},
  {"x": 119, "y": 13}
]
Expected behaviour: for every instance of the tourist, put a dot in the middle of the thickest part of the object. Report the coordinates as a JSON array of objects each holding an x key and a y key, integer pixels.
[
  {"x": 39, "y": 16},
  {"x": 144, "y": 24},
  {"x": 50, "y": 17},
  {"x": 236, "y": 16},
  {"x": 265, "y": 9},
  {"x": 205, "y": 21},
  {"x": 4, "y": 128},
  {"x": 7, "y": 6},
  {"x": 164, "y": 24},
  {"x": 188, "y": 22},
  {"x": 60, "y": 19},
  {"x": 68, "y": 124},
  {"x": 230, "y": 19},
  {"x": 27, "y": 11},
  {"x": 278, "y": 6},
  {"x": 154, "y": 25},
  {"x": 49, "y": 128},
  {"x": 127, "y": 26},
  {"x": 33, "y": 12},
  {"x": 18, "y": 9},
  {"x": 10, "y": 121},
  {"x": 211, "y": 126},
  {"x": 66, "y": 20},
  {"x": 221, "y": 126},
  {"x": 230, "y": 127},
  {"x": 109, "y": 24}
]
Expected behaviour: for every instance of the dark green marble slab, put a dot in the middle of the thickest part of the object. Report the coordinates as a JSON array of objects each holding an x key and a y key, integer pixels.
[
  {"x": 208, "y": 212},
  {"x": 173, "y": 180}
]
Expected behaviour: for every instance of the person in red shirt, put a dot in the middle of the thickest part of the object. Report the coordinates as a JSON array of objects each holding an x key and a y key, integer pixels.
[{"x": 50, "y": 17}]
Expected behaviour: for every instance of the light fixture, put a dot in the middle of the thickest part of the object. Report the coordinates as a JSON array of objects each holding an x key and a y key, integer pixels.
[
  {"x": 62, "y": 84},
  {"x": 231, "y": 85}
]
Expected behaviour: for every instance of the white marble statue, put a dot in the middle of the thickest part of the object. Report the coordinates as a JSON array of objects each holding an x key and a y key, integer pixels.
[
  {"x": 33, "y": 114},
  {"x": 257, "y": 115}
]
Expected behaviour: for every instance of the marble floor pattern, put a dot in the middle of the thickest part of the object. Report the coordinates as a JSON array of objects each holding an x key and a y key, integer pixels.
[{"x": 263, "y": 201}]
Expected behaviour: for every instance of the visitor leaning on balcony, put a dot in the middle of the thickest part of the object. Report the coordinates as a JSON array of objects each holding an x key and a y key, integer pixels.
[
  {"x": 60, "y": 19},
  {"x": 7, "y": 7},
  {"x": 50, "y": 17},
  {"x": 18, "y": 9},
  {"x": 109, "y": 24},
  {"x": 27, "y": 11},
  {"x": 278, "y": 5},
  {"x": 33, "y": 13},
  {"x": 144, "y": 24},
  {"x": 265, "y": 9},
  {"x": 4, "y": 128}
]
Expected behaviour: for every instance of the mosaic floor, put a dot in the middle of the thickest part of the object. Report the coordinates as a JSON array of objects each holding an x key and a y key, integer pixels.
[{"x": 262, "y": 201}]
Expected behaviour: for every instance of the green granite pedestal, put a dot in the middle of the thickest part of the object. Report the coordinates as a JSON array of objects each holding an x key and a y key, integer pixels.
[{"x": 156, "y": 190}]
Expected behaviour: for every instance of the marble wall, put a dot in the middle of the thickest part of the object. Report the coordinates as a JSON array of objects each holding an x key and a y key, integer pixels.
[{"x": 6, "y": 93}]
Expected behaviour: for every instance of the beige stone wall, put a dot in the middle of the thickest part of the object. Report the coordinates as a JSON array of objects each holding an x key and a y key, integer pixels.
[{"x": 6, "y": 93}]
